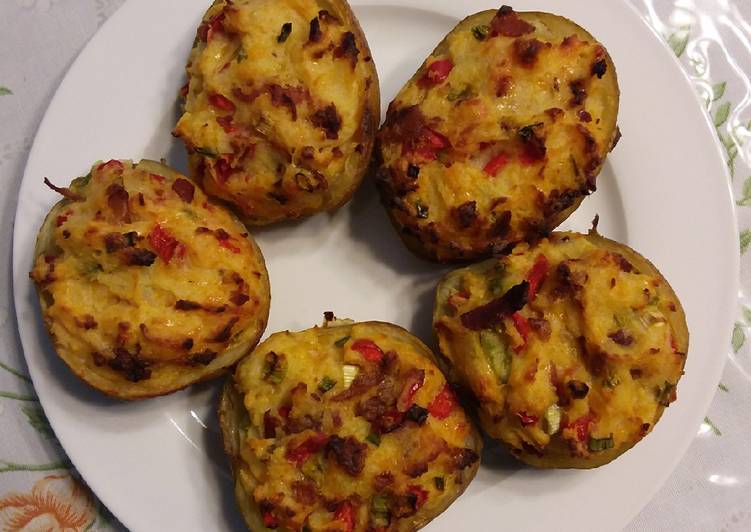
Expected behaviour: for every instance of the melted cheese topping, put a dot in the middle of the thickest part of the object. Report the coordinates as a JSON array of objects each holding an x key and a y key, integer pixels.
[
  {"x": 391, "y": 448},
  {"x": 582, "y": 370},
  {"x": 281, "y": 106},
  {"x": 141, "y": 276},
  {"x": 497, "y": 138}
]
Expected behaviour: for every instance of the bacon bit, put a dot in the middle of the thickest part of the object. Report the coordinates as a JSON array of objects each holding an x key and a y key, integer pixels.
[
  {"x": 534, "y": 149},
  {"x": 281, "y": 97},
  {"x": 443, "y": 403},
  {"x": 207, "y": 29},
  {"x": 270, "y": 424},
  {"x": 673, "y": 344},
  {"x": 228, "y": 245},
  {"x": 117, "y": 200},
  {"x": 570, "y": 41},
  {"x": 523, "y": 328},
  {"x": 184, "y": 188},
  {"x": 496, "y": 164},
  {"x": 421, "y": 495},
  {"x": 537, "y": 275},
  {"x": 329, "y": 120},
  {"x": 579, "y": 92},
  {"x": 621, "y": 337},
  {"x": 184, "y": 91},
  {"x": 61, "y": 220},
  {"x": 138, "y": 257},
  {"x": 599, "y": 68},
  {"x": 527, "y": 419},
  {"x": 284, "y": 411},
  {"x": 300, "y": 454},
  {"x": 436, "y": 73},
  {"x": 223, "y": 169},
  {"x": 346, "y": 514},
  {"x": 507, "y": 23},
  {"x": 226, "y": 123},
  {"x": 221, "y": 102},
  {"x": 225, "y": 332},
  {"x": 315, "y": 34},
  {"x": 487, "y": 315},
  {"x": 156, "y": 177},
  {"x": 503, "y": 86},
  {"x": 247, "y": 98},
  {"x": 163, "y": 243},
  {"x": 584, "y": 116},
  {"x": 526, "y": 51},
  {"x": 348, "y": 48},
  {"x": 112, "y": 164},
  {"x": 414, "y": 381},
  {"x": 63, "y": 191},
  {"x": 368, "y": 349},
  {"x": 581, "y": 426}
]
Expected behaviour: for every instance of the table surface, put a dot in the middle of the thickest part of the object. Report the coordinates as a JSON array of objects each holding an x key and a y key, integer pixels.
[{"x": 39, "y": 489}]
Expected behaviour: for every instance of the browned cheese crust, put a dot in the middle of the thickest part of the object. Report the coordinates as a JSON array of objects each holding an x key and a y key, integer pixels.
[
  {"x": 347, "y": 427},
  {"x": 146, "y": 286},
  {"x": 281, "y": 106},
  {"x": 498, "y": 136}
]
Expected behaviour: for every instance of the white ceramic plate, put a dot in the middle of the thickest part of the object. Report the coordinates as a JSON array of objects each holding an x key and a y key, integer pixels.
[{"x": 157, "y": 464}]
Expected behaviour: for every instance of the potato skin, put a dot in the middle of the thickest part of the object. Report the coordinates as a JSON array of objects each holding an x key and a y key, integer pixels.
[
  {"x": 146, "y": 286},
  {"x": 498, "y": 136},
  {"x": 391, "y": 456},
  {"x": 572, "y": 347},
  {"x": 281, "y": 107}
]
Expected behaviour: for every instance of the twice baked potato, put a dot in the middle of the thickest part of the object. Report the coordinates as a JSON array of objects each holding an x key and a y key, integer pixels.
[
  {"x": 145, "y": 286},
  {"x": 498, "y": 136},
  {"x": 349, "y": 426},
  {"x": 572, "y": 347},
  {"x": 281, "y": 106}
]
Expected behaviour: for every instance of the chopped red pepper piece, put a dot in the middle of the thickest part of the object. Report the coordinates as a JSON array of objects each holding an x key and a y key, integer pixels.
[
  {"x": 415, "y": 380},
  {"x": 269, "y": 521},
  {"x": 368, "y": 349},
  {"x": 420, "y": 493},
  {"x": 581, "y": 426},
  {"x": 496, "y": 164},
  {"x": 346, "y": 514},
  {"x": 226, "y": 123},
  {"x": 427, "y": 144},
  {"x": 437, "y": 72},
  {"x": 522, "y": 327},
  {"x": 163, "y": 243},
  {"x": 527, "y": 419},
  {"x": 113, "y": 164},
  {"x": 221, "y": 102},
  {"x": 300, "y": 454},
  {"x": 443, "y": 403},
  {"x": 537, "y": 275}
]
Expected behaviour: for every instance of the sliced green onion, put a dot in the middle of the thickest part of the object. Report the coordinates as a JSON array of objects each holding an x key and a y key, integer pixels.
[
  {"x": 284, "y": 33},
  {"x": 241, "y": 55},
  {"x": 274, "y": 367},
  {"x": 374, "y": 438},
  {"x": 481, "y": 32},
  {"x": 379, "y": 511},
  {"x": 326, "y": 384},
  {"x": 422, "y": 210},
  {"x": 664, "y": 393},
  {"x": 600, "y": 444},
  {"x": 206, "y": 152},
  {"x": 611, "y": 381},
  {"x": 460, "y": 95},
  {"x": 498, "y": 355},
  {"x": 350, "y": 372},
  {"x": 341, "y": 341},
  {"x": 552, "y": 420}
]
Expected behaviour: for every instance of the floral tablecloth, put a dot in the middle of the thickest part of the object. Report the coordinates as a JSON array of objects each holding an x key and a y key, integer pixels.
[{"x": 39, "y": 490}]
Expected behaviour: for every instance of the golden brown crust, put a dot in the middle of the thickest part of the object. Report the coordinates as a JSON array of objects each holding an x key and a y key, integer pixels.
[
  {"x": 145, "y": 286},
  {"x": 281, "y": 108},
  {"x": 498, "y": 136},
  {"x": 387, "y": 448},
  {"x": 572, "y": 347}
]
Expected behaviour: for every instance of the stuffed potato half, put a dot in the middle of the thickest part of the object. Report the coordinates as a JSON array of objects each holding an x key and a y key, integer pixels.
[
  {"x": 349, "y": 426},
  {"x": 145, "y": 286},
  {"x": 498, "y": 136},
  {"x": 281, "y": 106},
  {"x": 572, "y": 347}
]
